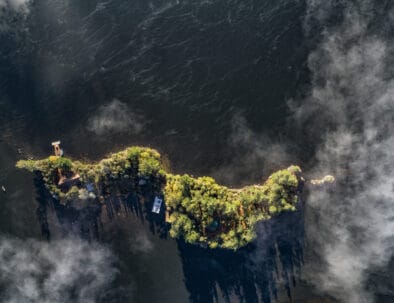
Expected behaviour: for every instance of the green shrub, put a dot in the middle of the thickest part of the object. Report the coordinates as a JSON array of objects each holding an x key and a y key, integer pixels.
[{"x": 198, "y": 209}]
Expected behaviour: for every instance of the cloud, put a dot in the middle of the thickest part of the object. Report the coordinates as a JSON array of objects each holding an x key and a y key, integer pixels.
[
  {"x": 113, "y": 118},
  {"x": 141, "y": 243},
  {"x": 351, "y": 108},
  {"x": 10, "y": 11},
  {"x": 17, "y": 5},
  {"x": 59, "y": 271},
  {"x": 253, "y": 155}
]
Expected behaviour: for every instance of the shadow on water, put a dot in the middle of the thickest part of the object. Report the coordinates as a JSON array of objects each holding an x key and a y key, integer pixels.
[
  {"x": 82, "y": 222},
  {"x": 43, "y": 197},
  {"x": 84, "y": 219},
  {"x": 139, "y": 204},
  {"x": 256, "y": 273}
]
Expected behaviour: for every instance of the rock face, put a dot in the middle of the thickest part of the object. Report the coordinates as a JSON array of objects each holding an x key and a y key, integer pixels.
[{"x": 198, "y": 209}]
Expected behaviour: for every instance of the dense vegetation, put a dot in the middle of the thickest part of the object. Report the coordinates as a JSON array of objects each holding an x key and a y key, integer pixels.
[
  {"x": 119, "y": 173},
  {"x": 202, "y": 211},
  {"x": 198, "y": 209}
]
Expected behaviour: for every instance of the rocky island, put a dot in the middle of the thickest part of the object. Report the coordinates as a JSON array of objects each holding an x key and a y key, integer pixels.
[{"x": 199, "y": 210}]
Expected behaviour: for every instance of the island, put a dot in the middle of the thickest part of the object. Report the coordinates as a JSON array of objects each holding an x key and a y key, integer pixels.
[{"x": 198, "y": 210}]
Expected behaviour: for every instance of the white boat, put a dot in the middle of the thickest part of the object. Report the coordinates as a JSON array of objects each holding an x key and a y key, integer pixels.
[{"x": 157, "y": 205}]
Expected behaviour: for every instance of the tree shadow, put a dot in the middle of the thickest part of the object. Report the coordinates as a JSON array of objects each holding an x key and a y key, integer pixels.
[
  {"x": 255, "y": 273},
  {"x": 42, "y": 197},
  {"x": 81, "y": 221},
  {"x": 84, "y": 219},
  {"x": 258, "y": 272},
  {"x": 138, "y": 203}
]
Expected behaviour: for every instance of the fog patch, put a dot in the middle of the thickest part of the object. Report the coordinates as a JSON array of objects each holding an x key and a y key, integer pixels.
[
  {"x": 115, "y": 118},
  {"x": 140, "y": 243},
  {"x": 10, "y": 12},
  {"x": 351, "y": 108},
  {"x": 253, "y": 155},
  {"x": 58, "y": 271},
  {"x": 17, "y": 5}
]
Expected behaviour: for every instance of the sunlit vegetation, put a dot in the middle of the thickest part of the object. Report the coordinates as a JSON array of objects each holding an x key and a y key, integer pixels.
[
  {"x": 122, "y": 172},
  {"x": 202, "y": 211},
  {"x": 198, "y": 209}
]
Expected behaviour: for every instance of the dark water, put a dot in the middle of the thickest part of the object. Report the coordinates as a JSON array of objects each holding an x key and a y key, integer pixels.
[
  {"x": 187, "y": 67},
  {"x": 205, "y": 82}
]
